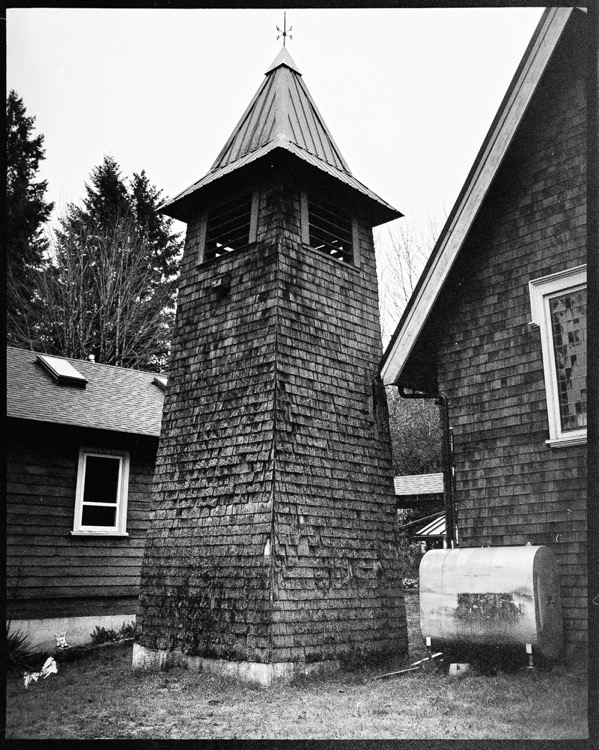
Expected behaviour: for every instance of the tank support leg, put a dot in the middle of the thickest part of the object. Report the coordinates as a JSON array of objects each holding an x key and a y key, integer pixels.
[
  {"x": 429, "y": 647},
  {"x": 530, "y": 659}
]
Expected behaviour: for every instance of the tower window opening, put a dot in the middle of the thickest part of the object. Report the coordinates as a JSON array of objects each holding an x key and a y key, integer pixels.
[
  {"x": 330, "y": 231},
  {"x": 228, "y": 227}
]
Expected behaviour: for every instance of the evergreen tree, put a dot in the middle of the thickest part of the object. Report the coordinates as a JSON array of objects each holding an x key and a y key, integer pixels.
[
  {"x": 106, "y": 200},
  {"x": 98, "y": 298},
  {"x": 110, "y": 290},
  {"x": 109, "y": 199},
  {"x": 166, "y": 246},
  {"x": 26, "y": 213}
]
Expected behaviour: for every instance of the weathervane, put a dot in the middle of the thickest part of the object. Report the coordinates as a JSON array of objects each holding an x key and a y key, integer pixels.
[{"x": 284, "y": 33}]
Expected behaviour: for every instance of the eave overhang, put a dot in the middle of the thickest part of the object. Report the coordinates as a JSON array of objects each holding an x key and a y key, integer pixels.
[
  {"x": 185, "y": 205},
  {"x": 397, "y": 356}
]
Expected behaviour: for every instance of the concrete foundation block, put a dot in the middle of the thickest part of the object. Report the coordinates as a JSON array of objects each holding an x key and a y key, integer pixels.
[
  {"x": 457, "y": 670},
  {"x": 42, "y": 633},
  {"x": 149, "y": 660}
]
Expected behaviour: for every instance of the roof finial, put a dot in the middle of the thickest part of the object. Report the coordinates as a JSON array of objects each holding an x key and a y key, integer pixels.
[{"x": 284, "y": 33}]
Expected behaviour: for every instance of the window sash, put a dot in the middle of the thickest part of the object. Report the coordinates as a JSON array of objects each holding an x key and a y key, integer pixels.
[
  {"x": 119, "y": 505},
  {"x": 544, "y": 294},
  {"x": 569, "y": 358}
]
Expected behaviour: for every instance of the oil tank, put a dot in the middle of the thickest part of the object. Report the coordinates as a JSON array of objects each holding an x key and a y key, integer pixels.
[{"x": 491, "y": 596}]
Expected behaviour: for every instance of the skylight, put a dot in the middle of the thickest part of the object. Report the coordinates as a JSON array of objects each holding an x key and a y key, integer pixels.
[
  {"x": 160, "y": 381},
  {"x": 62, "y": 371}
]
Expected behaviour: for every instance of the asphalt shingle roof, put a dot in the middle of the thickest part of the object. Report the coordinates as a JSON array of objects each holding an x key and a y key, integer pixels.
[
  {"x": 419, "y": 484},
  {"x": 115, "y": 398}
]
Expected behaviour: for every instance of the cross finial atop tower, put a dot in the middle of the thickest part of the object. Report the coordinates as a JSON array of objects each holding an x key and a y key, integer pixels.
[{"x": 284, "y": 33}]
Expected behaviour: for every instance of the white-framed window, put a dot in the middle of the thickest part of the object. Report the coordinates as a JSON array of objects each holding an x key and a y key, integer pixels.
[
  {"x": 101, "y": 494},
  {"x": 558, "y": 306}
]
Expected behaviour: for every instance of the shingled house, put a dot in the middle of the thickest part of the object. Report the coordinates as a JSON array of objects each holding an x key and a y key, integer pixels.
[
  {"x": 424, "y": 493},
  {"x": 497, "y": 322},
  {"x": 419, "y": 491},
  {"x": 272, "y": 544},
  {"x": 81, "y": 447}
]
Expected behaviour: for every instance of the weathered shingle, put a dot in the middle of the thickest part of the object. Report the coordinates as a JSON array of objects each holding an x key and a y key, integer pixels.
[{"x": 115, "y": 398}]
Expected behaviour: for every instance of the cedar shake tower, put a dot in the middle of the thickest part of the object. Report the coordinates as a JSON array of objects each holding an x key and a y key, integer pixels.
[{"x": 272, "y": 547}]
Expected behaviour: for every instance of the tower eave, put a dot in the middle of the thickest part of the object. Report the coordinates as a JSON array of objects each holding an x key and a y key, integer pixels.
[{"x": 184, "y": 206}]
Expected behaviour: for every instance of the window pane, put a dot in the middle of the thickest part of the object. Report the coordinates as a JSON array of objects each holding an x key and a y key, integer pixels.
[
  {"x": 101, "y": 480},
  {"x": 568, "y": 330},
  {"x": 98, "y": 515}
]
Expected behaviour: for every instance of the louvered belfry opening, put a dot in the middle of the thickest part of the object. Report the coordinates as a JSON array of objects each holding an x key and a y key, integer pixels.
[
  {"x": 330, "y": 230},
  {"x": 271, "y": 551},
  {"x": 228, "y": 227}
]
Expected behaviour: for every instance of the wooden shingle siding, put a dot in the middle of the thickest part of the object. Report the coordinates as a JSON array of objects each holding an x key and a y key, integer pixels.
[
  {"x": 512, "y": 488},
  {"x": 273, "y": 533},
  {"x": 50, "y": 571},
  {"x": 213, "y": 503}
]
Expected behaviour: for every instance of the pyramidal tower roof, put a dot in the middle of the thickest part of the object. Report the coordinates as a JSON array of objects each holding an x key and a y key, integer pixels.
[
  {"x": 281, "y": 115},
  {"x": 282, "y": 109}
]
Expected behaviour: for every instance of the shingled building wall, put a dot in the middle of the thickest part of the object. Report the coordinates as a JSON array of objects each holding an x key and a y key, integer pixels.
[
  {"x": 273, "y": 531},
  {"x": 512, "y": 488}
]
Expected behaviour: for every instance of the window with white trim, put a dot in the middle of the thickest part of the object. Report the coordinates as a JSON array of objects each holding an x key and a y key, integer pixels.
[
  {"x": 101, "y": 495},
  {"x": 558, "y": 305}
]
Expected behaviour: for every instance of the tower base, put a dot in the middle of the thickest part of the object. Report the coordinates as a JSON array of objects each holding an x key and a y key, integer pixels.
[{"x": 156, "y": 660}]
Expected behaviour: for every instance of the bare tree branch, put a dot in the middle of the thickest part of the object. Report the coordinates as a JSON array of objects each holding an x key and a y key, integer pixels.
[{"x": 402, "y": 252}]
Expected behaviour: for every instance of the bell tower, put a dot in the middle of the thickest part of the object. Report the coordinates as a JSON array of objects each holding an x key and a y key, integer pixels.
[{"x": 271, "y": 549}]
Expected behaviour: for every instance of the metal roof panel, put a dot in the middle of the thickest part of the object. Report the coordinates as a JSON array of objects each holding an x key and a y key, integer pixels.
[
  {"x": 436, "y": 527},
  {"x": 281, "y": 114}
]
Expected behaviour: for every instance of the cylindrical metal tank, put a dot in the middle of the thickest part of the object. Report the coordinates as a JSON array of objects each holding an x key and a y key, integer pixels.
[{"x": 491, "y": 596}]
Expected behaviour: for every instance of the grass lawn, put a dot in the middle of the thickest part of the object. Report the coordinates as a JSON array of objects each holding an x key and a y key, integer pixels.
[{"x": 98, "y": 696}]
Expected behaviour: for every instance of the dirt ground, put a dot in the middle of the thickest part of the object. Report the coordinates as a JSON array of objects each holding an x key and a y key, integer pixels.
[{"x": 99, "y": 697}]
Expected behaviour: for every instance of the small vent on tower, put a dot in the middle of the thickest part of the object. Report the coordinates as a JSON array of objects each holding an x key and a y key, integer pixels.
[
  {"x": 330, "y": 231},
  {"x": 228, "y": 227}
]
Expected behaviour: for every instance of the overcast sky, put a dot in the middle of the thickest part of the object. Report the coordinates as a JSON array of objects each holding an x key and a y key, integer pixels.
[{"x": 408, "y": 94}]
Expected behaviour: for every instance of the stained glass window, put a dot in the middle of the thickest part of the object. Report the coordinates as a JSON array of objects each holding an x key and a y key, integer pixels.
[
  {"x": 568, "y": 331},
  {"x": 558, "y": 307}
]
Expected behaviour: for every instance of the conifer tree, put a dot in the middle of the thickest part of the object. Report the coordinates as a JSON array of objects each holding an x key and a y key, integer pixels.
[
  {"x": 157, "y": 228},
  {"x": 26, "y": 211},
  {"x": 110, "y": 289}
]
